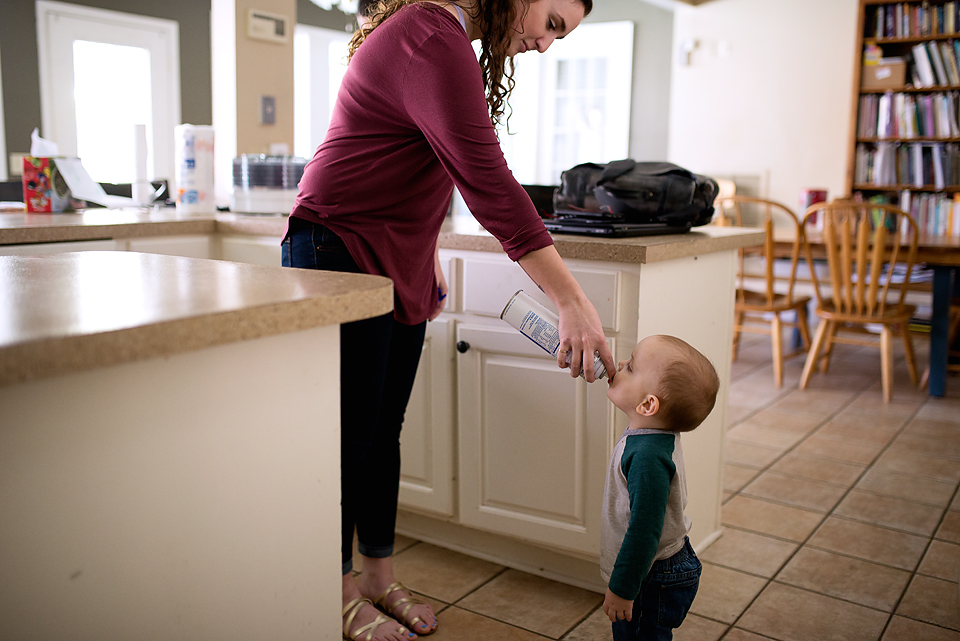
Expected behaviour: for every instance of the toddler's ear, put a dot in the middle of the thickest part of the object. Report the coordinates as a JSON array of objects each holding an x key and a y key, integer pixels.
[{"x": 649, "y": 406}]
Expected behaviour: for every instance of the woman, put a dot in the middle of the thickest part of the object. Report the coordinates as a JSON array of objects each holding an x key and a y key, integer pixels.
[{"x": 413, "y": 118}]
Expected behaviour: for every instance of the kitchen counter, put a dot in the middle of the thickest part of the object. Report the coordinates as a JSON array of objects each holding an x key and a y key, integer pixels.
[
  {"x": 169, "y": 457},
  {"x": 460, "y": 232},
  {"x": 68, "y": 312}
]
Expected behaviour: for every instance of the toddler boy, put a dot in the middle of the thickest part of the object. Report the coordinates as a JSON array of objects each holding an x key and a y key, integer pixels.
[{"x": 652, "y": 573}]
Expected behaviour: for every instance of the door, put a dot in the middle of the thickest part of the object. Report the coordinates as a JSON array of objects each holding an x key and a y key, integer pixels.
[
  {"x": 101, "y": 72},
  {"x": 534, "y": 443}
]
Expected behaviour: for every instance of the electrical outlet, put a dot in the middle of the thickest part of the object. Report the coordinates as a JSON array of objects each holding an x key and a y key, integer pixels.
[{"x": 268, "y": 110}]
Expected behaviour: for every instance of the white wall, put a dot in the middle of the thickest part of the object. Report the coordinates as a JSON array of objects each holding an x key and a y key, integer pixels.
[
  {"x": 767, "y": 92},
  {"x": 3, "y": 143}
]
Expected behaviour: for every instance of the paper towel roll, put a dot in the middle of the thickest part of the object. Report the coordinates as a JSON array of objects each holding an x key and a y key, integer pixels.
[
  {"x": 194, "y": 173},
  {"x": 142, "y": 190}
]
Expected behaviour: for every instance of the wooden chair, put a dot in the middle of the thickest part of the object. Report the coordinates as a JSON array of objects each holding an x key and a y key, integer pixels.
[
  {"x": 863, "y": 244},
  {"x": 759, "y": 312}
]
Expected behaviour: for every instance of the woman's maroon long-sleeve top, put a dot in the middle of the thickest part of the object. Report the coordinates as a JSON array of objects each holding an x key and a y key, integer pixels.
[{"x": 410, "y": 122}]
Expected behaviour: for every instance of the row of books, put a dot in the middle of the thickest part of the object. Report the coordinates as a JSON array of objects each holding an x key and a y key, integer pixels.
[
  {"x": 900, "y": 115},
  {"x": 935, "y": 214},
  {"x": 913, "y": 19},
  {"x": 919, "y": 165},
  {"x": 935, "y": 63}
]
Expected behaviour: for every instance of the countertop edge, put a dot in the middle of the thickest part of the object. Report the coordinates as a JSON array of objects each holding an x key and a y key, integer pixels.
[
  {"x": 456, "y": 234},
  {"x": 56, "y": 356}
]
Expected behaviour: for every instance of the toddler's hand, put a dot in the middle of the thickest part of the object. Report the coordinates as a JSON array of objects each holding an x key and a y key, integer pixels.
[{"x": 617, "y": 608}]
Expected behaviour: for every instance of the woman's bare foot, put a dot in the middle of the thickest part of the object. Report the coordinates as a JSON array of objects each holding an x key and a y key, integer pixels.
[
  {"x": 376, "y": 578},
  {"x": 388, "y": 630}
]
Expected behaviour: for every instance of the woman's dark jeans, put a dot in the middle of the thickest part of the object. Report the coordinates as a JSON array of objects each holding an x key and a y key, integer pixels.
[
  {"x": 665, "y": 597},
  {"x": 378, "y": 365}
]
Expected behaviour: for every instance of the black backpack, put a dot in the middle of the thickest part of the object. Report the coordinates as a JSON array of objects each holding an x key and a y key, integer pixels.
[{"x": 636, "y": 192}]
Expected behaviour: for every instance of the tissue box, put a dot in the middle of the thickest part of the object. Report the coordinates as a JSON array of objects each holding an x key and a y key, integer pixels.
[{"x": 44, "y": 189}]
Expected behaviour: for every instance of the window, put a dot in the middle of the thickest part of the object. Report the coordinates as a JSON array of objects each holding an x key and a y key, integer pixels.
[
  {"x": 319, "y": 62},
  {"x": 572, "y": 103},
  {"x": 101, "y": 72}
]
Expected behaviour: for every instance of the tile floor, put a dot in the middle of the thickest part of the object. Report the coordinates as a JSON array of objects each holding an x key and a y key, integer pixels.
[{"x": 841, "y": 522}]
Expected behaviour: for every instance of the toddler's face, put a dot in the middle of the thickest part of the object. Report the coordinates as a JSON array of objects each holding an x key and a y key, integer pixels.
[{"x": 636, "y": 377}]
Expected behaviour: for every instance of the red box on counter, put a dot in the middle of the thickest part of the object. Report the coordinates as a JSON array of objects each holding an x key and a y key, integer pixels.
[{"x": 44, "y": 189}]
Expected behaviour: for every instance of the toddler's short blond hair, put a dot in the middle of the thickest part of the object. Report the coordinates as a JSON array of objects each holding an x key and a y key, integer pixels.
[{"x": 688, "y": 387}]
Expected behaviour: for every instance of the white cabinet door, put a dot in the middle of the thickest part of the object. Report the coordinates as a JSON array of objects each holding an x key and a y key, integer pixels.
[
  {"x": 427, "y": 470},
  {"x": 534, "y": 442}
]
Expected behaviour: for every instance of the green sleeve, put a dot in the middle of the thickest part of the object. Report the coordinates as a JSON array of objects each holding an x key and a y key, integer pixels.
[{"x": 647, "y": 464}]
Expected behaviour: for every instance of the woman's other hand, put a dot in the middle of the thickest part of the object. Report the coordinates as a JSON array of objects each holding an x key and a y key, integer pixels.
[{"x": 442, "y": 289}]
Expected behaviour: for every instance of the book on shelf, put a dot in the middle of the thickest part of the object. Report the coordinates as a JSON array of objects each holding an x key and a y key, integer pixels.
[
  {"x": 950, "y": 62},
  {"x": 923, "y": 65},
  {"x": 938, "y": 69}
]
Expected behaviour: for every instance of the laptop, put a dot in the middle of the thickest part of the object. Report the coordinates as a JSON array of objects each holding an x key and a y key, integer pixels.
[{"x": 590, "y": 224}]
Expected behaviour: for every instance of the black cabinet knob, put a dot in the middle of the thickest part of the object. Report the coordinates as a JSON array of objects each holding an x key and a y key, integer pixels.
[{"x": 463, "y": 346}]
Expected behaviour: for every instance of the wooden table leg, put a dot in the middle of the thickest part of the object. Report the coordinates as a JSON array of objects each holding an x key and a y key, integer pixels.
[{"x": 939, "y": 328}]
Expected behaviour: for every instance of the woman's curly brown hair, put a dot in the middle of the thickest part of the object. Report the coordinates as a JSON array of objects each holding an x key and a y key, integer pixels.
[{"x": 496, "y": 19}]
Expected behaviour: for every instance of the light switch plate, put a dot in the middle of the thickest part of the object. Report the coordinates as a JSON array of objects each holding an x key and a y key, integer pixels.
[{"x": 268, "y": 110}]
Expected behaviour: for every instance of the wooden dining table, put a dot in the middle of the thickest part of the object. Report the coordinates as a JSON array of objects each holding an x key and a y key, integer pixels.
[{"x": 942, "y": 255}]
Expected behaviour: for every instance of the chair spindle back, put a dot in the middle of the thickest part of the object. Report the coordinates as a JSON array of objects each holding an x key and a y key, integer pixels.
[{"x": 863, "y": 243}]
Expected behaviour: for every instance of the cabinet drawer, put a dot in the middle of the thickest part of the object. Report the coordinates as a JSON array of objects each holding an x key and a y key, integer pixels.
[{"x": 489, "y": 283}]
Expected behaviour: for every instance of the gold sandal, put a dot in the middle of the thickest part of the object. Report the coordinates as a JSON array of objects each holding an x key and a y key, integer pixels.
[
  {"x": 405, "y": 604},
  {"x": 350, "y": 613}
]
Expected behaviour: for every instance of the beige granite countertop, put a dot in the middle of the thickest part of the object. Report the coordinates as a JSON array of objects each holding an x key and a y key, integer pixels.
[
  {"x": 466, "y": 233},
  {"x": 461, "y": 232},
  {"x": 75, "y": 311}
]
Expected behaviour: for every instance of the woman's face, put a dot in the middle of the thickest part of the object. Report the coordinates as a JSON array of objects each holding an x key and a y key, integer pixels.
[{"x": 541, "y": 22}]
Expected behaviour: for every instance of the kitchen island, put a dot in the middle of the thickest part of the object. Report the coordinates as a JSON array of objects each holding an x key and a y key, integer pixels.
[
  {"x": 477, "y": 475},
  {"x": 164, "y": 469}
]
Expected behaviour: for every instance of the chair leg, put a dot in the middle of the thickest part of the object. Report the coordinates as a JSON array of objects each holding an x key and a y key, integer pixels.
[
  {"x": 802, "y": 324},
  {"x": 828, "y": 350},
  {"x": 776, "y": 335},
  {"x": 812, "y": 355},
  {"x": 908, "y": 349},
  {"x": 886, "y": 362},
  {"x": 737, "y": 324}
]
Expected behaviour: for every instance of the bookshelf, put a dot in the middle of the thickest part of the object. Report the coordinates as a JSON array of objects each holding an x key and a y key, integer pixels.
[{"x": 905, "y": 138}]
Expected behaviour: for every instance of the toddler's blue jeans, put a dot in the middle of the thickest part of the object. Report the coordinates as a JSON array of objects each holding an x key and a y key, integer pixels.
[{"x": 665, "y": 597}]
